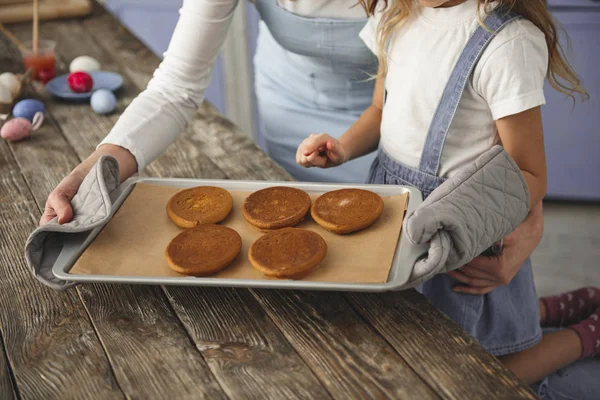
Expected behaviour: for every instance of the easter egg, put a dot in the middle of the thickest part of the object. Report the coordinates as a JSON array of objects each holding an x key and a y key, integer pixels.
[
  {"x": 16, "y": 129},
  {"x": 11, "y": 82},
  {"x": 28, "y": 108},
  {"x": 6, "y": 96},
  {"x": 103, "y": 101},
  {"x": 85, "y": 64},
  {"x": 80, "y": 82}
]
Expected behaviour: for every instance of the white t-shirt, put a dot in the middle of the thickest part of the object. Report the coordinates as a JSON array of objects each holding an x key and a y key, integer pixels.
[
  {"x": 508, "y": 79},
  {"x": 160, "y": 113}
]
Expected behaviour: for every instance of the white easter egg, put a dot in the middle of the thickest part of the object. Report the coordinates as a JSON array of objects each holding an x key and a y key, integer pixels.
[
  {"x": 11, "y": 82},
  {"x": 103, "y": 101},
  {"x": 6, "y": 96},
  {"x": 85, "y": 64}
]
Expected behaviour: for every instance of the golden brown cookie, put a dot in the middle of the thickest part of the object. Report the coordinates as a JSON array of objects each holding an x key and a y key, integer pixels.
[
  {"x": 276, "y": 207},
  {"x": 287, "y": 253},
  {"x": 199, "y": 205},
  {"x": 203, "y": 250},
  {"x": 347, "y": 210}
]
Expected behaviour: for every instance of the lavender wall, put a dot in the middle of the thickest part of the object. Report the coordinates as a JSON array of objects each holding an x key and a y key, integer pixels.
[{"x": 572, "y": 135}]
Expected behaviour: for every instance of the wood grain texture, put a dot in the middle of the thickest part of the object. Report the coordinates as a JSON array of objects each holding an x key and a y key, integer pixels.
[
  {"x": 245, "y": 350},
  {"x": 149, "y": 350},
  {"x": 45, "y": 158},
  {"x": 233, "y": 151},
  {"x": 451, "y": 362},
  {"x": 140, "y": 372},
  {"x": 347, "y": 355},
  {"x": 51, "y": 346},
  {"x": 7, "y": 391}
]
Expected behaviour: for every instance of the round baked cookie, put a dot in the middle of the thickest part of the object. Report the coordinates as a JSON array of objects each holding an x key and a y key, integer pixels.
[
  {"x": 203, "y": 250},
  {"x": 199, "y": 205},
  {"x": 287, "y": 253},
  {"x": 276, "y": 207},
  {"x": 347, "y": 210}
]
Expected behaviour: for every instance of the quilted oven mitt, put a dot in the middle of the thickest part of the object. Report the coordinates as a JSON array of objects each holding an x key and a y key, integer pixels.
[
  {"x": 91, "y": 208},
  {"x": 466, "y": 214}
]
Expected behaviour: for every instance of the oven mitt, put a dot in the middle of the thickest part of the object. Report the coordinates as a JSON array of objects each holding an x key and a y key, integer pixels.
[
  {"x": 91, "y": 208},
  {"x": 466, "y": 214}
]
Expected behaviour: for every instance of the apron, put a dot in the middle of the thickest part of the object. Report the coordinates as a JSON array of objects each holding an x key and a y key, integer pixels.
[
  {"x": 312, "y": 75},
  {"x": 507, "y": 319}
]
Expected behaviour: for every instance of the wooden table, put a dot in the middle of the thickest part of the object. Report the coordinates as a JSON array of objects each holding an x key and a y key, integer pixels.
[{"x": 121, "y": 341}]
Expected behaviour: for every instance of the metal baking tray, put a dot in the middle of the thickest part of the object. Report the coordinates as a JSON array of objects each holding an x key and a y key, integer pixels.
[{"x": 402, "y": 265}]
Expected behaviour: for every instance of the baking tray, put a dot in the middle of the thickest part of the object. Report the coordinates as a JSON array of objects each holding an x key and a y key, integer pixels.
[{"x": 404, "y": 258}]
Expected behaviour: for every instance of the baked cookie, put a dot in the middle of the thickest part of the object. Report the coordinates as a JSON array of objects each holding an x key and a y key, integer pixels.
[
  {"x": 203, "y": 250},
  {"x": 199, "y": 205},
  {"x": 276, "y": 207},
  {"x": 287, "y": 253},
  {"x": 347, "y": 210}
]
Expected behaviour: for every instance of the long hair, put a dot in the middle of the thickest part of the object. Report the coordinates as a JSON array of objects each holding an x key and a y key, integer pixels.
[{"x": 560, "y": 73}]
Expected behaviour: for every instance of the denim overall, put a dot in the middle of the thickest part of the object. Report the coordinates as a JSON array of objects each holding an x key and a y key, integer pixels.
[
  {"x": 507, "y": 319},
  {"x": 311, "y": 76}
]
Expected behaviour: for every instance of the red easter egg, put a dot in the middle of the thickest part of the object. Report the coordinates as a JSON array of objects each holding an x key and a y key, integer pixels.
[
  {"x": 46, "y": 75},
  {"x": 80, "y": 82}
]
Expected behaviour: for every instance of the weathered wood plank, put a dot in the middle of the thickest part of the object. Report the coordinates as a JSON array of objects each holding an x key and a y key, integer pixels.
[
  {"x": 51, "y": 346},
  {"x": 136, "y": 60},
  {"x": 233, "y": 151},
  {"x": 149, "y": 350},
  {"x": 248, "y": 354},
  {"x": 7, "y": 391},
  {"x": 435, "y": 347},
  {"x": 134, "y": 365},
  {"x": 348, "y": 356},
  {"x": 109, "y": 305}
]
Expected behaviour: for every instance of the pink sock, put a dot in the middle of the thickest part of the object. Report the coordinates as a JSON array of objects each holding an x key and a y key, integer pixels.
[
  {"x": 571, "y": 307},
  {"x": 589, "y": 333}
]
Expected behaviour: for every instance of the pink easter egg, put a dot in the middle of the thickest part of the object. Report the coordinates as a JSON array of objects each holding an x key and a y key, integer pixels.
[{"x": 16, "y": 129}]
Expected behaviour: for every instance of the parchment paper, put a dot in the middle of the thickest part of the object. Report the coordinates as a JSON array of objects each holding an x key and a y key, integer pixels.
[{"x": 134, "y": 241}]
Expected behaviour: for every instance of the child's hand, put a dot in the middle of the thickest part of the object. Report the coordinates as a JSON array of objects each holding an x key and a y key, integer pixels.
[{"x": 321, "y": 151}]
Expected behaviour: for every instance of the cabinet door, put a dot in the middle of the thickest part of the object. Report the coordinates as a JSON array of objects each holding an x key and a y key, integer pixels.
[{"x": 572, "y": 135}]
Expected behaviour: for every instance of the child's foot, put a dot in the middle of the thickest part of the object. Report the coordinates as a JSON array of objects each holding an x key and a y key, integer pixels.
[
  {"x": 571, "y": 307},
  {"x": 589, "y": 333}
]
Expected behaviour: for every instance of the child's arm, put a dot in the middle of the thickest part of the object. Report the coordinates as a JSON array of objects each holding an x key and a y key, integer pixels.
[
  {"x": 361, "y": 138},
  {"x": 523, "y": 138}
]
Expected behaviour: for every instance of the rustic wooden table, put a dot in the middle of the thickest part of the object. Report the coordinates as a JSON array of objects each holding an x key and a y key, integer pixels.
[{"x": 120, "y": 341}]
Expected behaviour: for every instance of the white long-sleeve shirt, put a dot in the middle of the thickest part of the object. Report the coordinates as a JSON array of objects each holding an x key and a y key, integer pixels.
[{"x": 161, "y": 112}]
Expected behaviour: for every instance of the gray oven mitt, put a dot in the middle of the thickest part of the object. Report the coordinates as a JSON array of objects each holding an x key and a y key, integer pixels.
[
  {"x": 91, "y": 208},
  {"x": 466, "y": 214}
]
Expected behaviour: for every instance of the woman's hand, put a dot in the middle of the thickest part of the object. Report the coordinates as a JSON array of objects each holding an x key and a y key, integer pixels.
[
  {"x": 322, "y": 151},
  {"x": 484, "y": 274},
  {"x": 59, "y": 200}
]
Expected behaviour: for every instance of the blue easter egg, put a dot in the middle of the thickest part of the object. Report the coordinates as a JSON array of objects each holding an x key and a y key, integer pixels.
[
  {"x": 103, "y": 101},
  {"x": 27, "y": 109}
]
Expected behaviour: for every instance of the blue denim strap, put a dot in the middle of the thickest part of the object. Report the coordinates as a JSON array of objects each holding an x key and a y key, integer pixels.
[{"x": 446, "y": 109}]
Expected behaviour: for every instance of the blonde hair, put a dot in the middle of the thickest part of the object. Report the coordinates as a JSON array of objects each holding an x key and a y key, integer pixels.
[{"x": 561, "y": 75}]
